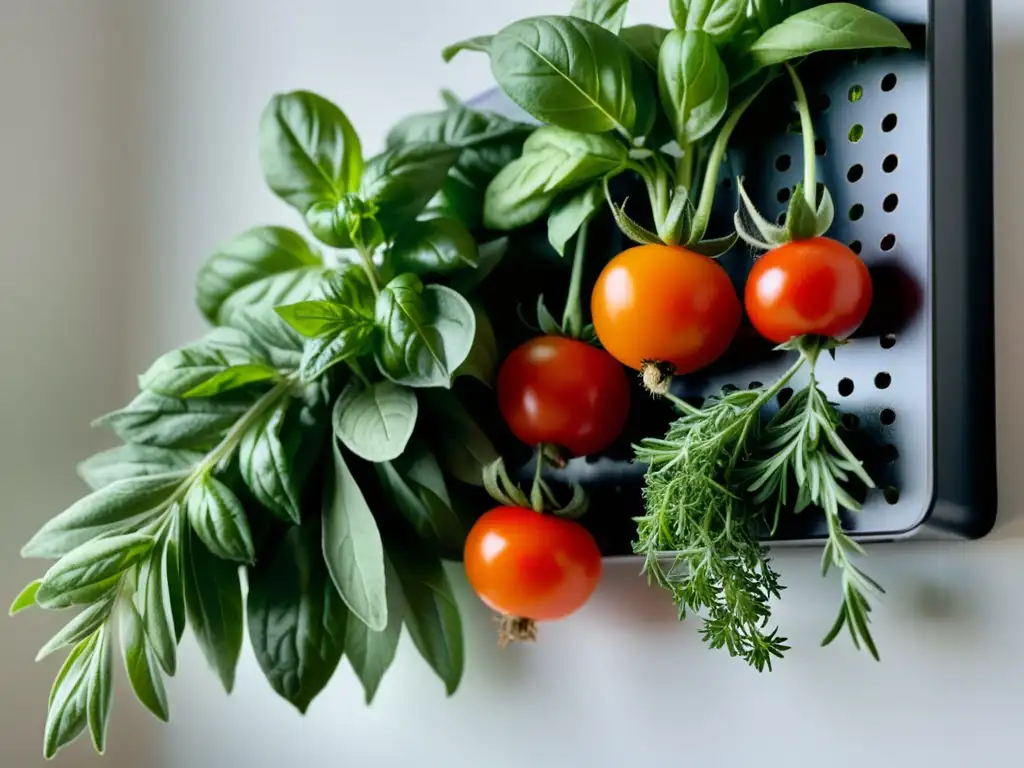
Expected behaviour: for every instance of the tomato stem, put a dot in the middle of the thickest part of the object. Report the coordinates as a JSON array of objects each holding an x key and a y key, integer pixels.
[
  {"x": 807, "y": 128},
  {"x": 572, "y": 319},
  {"x": 537, "y": 497}
]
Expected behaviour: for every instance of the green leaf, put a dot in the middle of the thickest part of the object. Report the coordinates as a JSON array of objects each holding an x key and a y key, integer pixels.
[
  {"x": 128, "y": 461},
  {"x": 375, "y": 422},
  {"x": 267, "y": 467},
  {"x": 830, "y": 27},
  {"x": 296, "y": 618},
  {"x": 423, "y": 333},
  {"x": 308, "y": 150},
  {"x": 325, "y": 352},
  {"x": 571, "y": 213},
  {"x": 722, "y": 19},
  {"x": 482, "y": 362},
  {"x": 481, "y": 43},
  {"x": 402, "y": 180},
  {"x": 25, "y": 599},
  {"x": 283, "y": 288},
  {"x": 610, "y": 14},
  {"x": 100, "y": 689},
  {"x": 693, "y": 84},
  {"x": 233, "y": 378},
  {"x": 183, "y": 370},
  {"x": 461, "y": 446},
  {"x": 371, "y": 653},
  {"x": 218, "y": 518},
  {"x": 645, "y": 41},
  {"x": 175, "y": 580},
  {"x": 169, "y": 422},
  {"x": 432, "y": 614},
  {"x": 213, "y": 603},
  {"x": 143, "y": 673},
  {"x": 352, "y": 547},
  {"x": 79, "y": 628},
  {"x": 155, "y": 600},
  {"x": 553, "y": 160},
  {"x": 122, "y": 505},
  {"x": 67, "y": 715},
  {"x": 568, "y": 72},
  {"x": 739, "y": 61},
  {"x": 316, "y": 318},
  {"x": 415, "y": 483},
  {"x": 491, "y": 254},
  {"x": 277, "y": 342},
  {"x": 435, "y": 246},
  {"x": 801, "y": 219},
  {"x": 88, "y": 572},
  {"x": 250, "y": 258}
]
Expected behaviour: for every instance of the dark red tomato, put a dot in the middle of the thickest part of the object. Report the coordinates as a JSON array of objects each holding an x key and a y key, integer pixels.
[
  {"x": 531, "y": 566},
  {"x": 565, "y": 393},
  {"x": 665, "y": 304},
  {"x": 816, "y": 286}
]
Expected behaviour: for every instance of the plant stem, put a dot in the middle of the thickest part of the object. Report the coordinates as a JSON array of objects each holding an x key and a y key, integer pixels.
[
  {"x": 684, "y": 168},
  {"x": 572, "y": 319},
  {"x": 807, "y": 129},
  {"x": 370, "y": 269},
  {"x": 537, "y": 489}
]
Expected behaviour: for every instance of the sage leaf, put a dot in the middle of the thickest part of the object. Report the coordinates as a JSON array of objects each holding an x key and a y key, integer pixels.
[
  {"x": 67, "y": 715},
  {"x": 143, "y": 673},
  {"x": 481, "y": 43},
  {"x": 721, "y": 19},
  {"x": 371, "y": 653},
  {"x": 482, "y": 361},
  {"x": 572, "y": 213},
  {"x": 610, "y": 14},
  {"x": 88, "y": 572},
  {"x": 267, "y": 467},
  {"x": 131, "y": 461},
  {"x": 100, "y": 689},
  {"x": 693, "y": 84},
  {"x": 169, "y": 422},
  {"x": 645, "y": 41},
  {"x": 120, "y": 506},
  {"x": 296, "y": 618},
  {"x": 249, "y": 258},
  {"x": 352, "y": 547},
  {"x": 25, "y": 599},
  {"x": 82, "y": 626},
  {"x": 154, "y": 600},
  {"x": 218, "y": 518},
  {"x": 435, "y": 246},
  {"x": 375, "y": 422},
  {"x": 182, "y": 370},
  {"x": 309, "y": 151},
  {"x": 569, "y": 73},
  {"x": 829, "y": 27},
  {"x": 432, "y": 614},
  {"x": 461, "y": 446},
  {"x": 402, "y": 180},
  {"x": 423, "y": 333}
]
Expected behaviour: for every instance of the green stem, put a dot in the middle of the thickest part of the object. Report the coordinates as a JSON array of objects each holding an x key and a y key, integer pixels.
[
  {"x": 807, "y": 128},
  {"x": 762, "y": 14},
  {"x": 370, "y": 269},
  {"x": 358, "y": 371},
  {"x": 684, "y": 168},
  {"x": 572, "y": 319},
  {"x": 537, "y": 489}
]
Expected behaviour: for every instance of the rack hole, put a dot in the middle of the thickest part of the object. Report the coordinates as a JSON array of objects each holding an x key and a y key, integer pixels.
[
  {"x": 883, "y": 380},
  {"x": 857, "y": 212},
  {"x": 856, "y": 93},
  {"x": 889, "y": 82},
  {"x": 782, "y": 219},
  {"x": 890, "y": 164},
  {"x": 783, "y": 195},
  {"x": 728, "y": 389},
  {"x": 891, "y": 495},
  {"x": 820, "y": 147},
  {"x": 888, "y": 242},
  {"x": 845, "y": 387},
  {"x": 889, "y": 122},
  {"x": 855, "y": 174},
  {"x": 856, "y": 133},
  {"x": 891, "y": 203},
  {"x": 887, "y": 417},
  {"x": 755, "y": 385},
  {"x": 888, "y": 454},
  {"x": 857, "y": 246},
  {"x": 783, "y": 163},
  {"x": 888, "y": 341},
  {"x": 851, "y": 421},
  {"x": 784, "y": 396}
]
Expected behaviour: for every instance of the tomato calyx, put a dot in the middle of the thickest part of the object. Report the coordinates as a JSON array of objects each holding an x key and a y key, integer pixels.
[{"x": 542, "y": 498}]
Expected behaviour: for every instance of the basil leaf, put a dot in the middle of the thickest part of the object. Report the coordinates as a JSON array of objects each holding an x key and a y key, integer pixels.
[
  {"x": 423, "y": 334},
  {"x": 553, "y": 160},
  {"x": 126, "y": 461},
  {"x": 100, "y": 689},
  {"x": 143, "y": 673},
  {"x": 352, "y": 547},
  {"x": 402, "y": 180},
  {"x": 316, "y": 318},
  {"x": 308, "y": 150},
  {"x": 235, "y": 377},
  {"x": 371, "y": 653},
  {"x": 252, "y": 257},
  {"x": 183, "y": 370},
  {"x": 175, "y": 579},
  {"x": 722, "y": 19},
  {"x": 169, "y": 422},
  {"x": 435, "y": 246},
  {"x": 572, "y": 213},
  {"x": 645, "y": 41},
  {"x": 283, "y": 288},
  {"x": 491, "y": 254},
  {"x": 67, "y": 714},
  {"x": 739, "y": 61},
  {"x": 213, "y": 603},
  {"x": 375, "y": 422},
  {"x": 82, "y": 626},
  {"x": 26, "y": 598},
  {"x": 480, "y": 43},
  {"x": 155, "y": 603},
  {"x": 830, "y": 27},
  {"x": 432, "y": 614},
  {"x": 610, "y": 14},
  {"x": 694, "y": 85},
  {"x": 277, "y": 342},
  {"x": 120, "y": 506},
  {"x": 415, "y": 483},
  {"x": 482, "y": 361},
  {"x": 267, "y": 467},
  {"x": 461, "y": 446},
  {"x": 88, "y": 572},
  {"x": 218, "y": 518},
  {"x": 568, "y": 72},
  {"x": 327, "y": 351},
  {"x": 296, "y": 618}
]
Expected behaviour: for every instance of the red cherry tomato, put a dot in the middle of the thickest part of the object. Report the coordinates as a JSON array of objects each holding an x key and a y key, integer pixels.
[
  {"x": 563, "y": 392},
  {"x": 665, "y": 304},
  {"x": 816, "y": 286},
  {"x": 531, "y": 566}
]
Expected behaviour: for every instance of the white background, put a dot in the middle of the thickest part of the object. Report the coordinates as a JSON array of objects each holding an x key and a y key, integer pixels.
[{"x": 128, "y": 152}]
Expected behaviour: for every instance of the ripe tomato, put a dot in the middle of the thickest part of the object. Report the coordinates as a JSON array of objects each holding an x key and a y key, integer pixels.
[
  {"x": 665, "y": 304},
  {"x": 531, "y": 566},
  {"x": 816, "y": 286},
  {"x": 565, "y": 393}
]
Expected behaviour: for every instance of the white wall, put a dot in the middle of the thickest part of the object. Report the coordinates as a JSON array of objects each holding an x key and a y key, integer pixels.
[{"x": 128, "y": 151}]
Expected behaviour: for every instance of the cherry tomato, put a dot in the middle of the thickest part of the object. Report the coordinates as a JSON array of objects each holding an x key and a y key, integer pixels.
[
  {"x": 816, "y": 286},
  {"x": 665, "y": 304},
  {"x": 565, "y": 393},
  {"x": 531, "y": 566}
]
